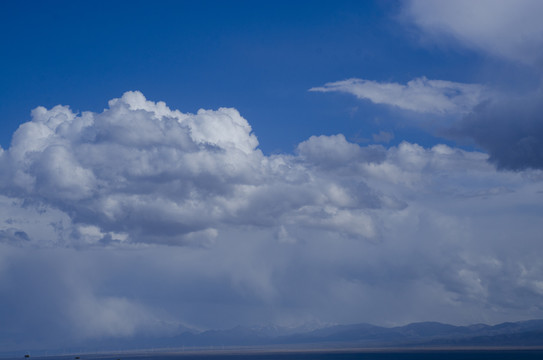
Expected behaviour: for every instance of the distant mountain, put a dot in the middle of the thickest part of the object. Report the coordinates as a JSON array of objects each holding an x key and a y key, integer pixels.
[
  {"x": 423, "y": 334},
  {"x": 526, "y": 333}
]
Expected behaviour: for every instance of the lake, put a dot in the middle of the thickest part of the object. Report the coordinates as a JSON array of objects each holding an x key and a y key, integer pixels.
[{"x": 316, "y": 355}]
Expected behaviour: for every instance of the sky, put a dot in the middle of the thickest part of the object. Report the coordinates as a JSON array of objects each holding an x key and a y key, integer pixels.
[{"x": 203, "y": 165}]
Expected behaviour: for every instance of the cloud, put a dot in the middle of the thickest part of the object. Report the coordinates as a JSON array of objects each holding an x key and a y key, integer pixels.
[
  {"x": 334, "y": 233},
  {"x": 383, "y": 137},
  {"x": 511, "y": 130},
  {"x": 14, "y": 236},
  {"x": 507, "y": 125},
  {"x": 333, "y": 151},
  {"x": 52, "y": 298},
  {"x": 420, "y": 94},
  {"x": 141, "y": 173},
  {"x": 503, "y": 123},
  {"x": 138, "y": 168},
  {"x": 504, "y": 28}
]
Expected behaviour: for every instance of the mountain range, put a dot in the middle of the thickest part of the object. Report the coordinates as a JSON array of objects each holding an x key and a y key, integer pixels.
[
  {"x": 414, "y": 335},
  {"x": 525, "y": 333}
]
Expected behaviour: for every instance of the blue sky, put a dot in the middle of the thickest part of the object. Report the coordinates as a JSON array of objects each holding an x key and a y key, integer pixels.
[
  {"x": 203, "y": 165},
  {"x": 258, "y": 57}
]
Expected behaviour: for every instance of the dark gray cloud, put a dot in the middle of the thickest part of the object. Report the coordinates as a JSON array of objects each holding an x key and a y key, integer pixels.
[{"x": 510, "y": 129}]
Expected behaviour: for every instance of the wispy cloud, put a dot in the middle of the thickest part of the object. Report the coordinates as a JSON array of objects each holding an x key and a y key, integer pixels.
[
  {"x": 420, "y": 95},
  {"x": 383, "y": 137}
]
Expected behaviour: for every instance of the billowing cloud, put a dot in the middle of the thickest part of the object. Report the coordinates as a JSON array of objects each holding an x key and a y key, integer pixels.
[
  {"x": 140, "y": 172},
  {"x": 506, "y": 28},
  {"x": 420, "y": 95},
  {"x": 92, "y": 203}
]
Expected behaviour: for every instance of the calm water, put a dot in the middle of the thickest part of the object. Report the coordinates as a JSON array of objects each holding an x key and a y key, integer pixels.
[{"x": 411, "y": 355}]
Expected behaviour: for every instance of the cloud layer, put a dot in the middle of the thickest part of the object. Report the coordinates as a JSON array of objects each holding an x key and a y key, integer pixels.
[{"x": 142, "y": 219}]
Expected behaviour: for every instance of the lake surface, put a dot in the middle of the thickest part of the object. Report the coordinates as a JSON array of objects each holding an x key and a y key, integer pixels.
[{"x": 337, "y": 355}]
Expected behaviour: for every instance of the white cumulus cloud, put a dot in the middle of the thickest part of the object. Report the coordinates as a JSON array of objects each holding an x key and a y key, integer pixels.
[{"x": 141, "y": 172}]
